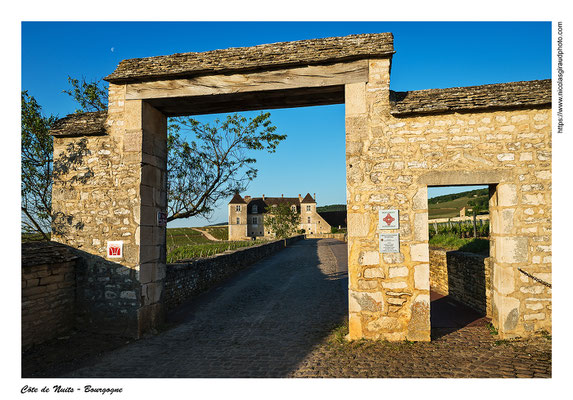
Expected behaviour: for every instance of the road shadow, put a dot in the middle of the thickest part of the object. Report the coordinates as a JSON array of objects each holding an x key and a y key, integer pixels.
[
  {"x": 448, "y": 315},
  {"x": 260, "y": 323}
]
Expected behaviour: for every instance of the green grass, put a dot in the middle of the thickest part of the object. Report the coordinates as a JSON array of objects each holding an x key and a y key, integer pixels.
[
  {"x": 177, "y": 237},
  {"x": 453, "y": 242},
  {"x": 32, "y": 237},
  {"x": 186, "y": 243},
  {"x": 207, "y": 249},
  {"x": 219, "y": 232}
]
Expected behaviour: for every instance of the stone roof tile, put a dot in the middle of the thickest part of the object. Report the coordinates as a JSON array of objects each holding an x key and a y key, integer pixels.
[
  {"x": 81, "y": 124},
  {"x": 265, "y": 56},
  {"x": 469, "y": 98}
]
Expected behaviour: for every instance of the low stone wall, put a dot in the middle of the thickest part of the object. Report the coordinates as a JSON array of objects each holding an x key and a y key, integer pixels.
[
  {"x": 339, "y": 236},
  {"x": 466, "y": 277},
  {"x": 185, "y": 280},
  {"x": 48, "y": 291}
]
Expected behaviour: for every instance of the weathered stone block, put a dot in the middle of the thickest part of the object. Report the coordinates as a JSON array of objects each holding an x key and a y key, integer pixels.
[
  {"x": 394, "y": 272},
  {"x": 374, "y": 273},
  {"x": 419, "y": 252},
  {"x": 358, "y": 224},
  {"x": 388, "y": 324},
  {"x": 422, "y": 276},
  {"x": 511, "y": 249},
  {"x": 507, "y": 195},
  {"x": 421, "y": 227}
]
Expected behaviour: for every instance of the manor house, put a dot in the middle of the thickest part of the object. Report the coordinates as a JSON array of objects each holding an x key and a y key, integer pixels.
[{"x": 246, "y": 215}]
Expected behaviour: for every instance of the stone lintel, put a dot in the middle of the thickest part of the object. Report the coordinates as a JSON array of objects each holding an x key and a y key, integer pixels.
[{"x": 463, "y": 177}]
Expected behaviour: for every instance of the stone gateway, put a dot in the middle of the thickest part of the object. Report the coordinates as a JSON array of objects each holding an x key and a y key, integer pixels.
[{"x": 111, "y": 176}]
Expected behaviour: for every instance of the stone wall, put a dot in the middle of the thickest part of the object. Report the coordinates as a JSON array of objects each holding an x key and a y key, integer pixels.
[
  {"x": 392, "y": 159},
  {"x": 338, "y": 236},
  {"x": 48, "y": 291},
  {"x": 109, "y": 185},
  {"x": 185, "y": 280},
  {"x": 397, "y": 144},
  {"x": 466, "y": 277}
]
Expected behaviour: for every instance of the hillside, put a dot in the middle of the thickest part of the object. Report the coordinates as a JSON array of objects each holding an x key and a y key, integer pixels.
[
  {"x": 332, "y": 207},
  {"x": 448, "y": 206}
]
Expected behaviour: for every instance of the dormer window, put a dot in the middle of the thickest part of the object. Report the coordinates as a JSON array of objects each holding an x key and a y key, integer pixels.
[{"x": 255, "y": 209}]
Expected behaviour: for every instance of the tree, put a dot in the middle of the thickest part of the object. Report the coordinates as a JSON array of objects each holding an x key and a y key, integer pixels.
[
  {"x": 212, "y": 165},
  {"x": 282, "y": 220},
  {"x": 37, "y": 167},
  {"x": 215, "y": 164},
  {"x": 478, "y": 205},
  {"x": 90, "y": 96}
]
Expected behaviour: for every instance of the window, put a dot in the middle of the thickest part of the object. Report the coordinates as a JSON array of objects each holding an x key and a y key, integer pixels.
[
  {"x": 308, "y": 218},
  {"x": 308, "y": 208},
  {"x": 255, "y": 209},
  {"x": 255, "y": 220},
  {"x": 237, "y": 208},
  {"x": 238, "y": 220},
  {"x": 293, "y": 208}
]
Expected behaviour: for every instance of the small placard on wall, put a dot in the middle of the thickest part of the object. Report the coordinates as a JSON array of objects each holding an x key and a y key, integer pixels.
[
  {"x": 389, "y": 243},
  {"x": 115, "y": 249},
  {"x": 388, "y": 219},
  {"x": 161, "y": 218}
]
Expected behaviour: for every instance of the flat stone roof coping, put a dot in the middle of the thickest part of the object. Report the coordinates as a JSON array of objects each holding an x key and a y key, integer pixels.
[
  {"x": 81, "y": 124},
  {"x": 256, "y": 58},
  {"x": 469, "y": 98}
]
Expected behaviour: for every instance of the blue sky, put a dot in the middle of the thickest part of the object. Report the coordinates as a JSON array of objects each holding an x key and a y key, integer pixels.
[{"x": 428, "y": 55}]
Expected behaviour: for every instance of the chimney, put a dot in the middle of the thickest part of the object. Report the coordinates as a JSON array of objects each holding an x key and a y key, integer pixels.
[
  {"x": 282, "y": 195},
  {"x": 263, "y": 196},
  {"x": 315, "y": 197},
  {"x": 247, "y": 198},
  {"x": 299, "y": 198}
]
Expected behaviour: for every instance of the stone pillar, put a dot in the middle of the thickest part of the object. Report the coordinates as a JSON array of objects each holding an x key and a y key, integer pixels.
[
  {"x": 109, "y": 188},
  {"x": 146, "y": 129},
  {"x": 509, "y": 250},
  {"x": 388, "y": 293}
]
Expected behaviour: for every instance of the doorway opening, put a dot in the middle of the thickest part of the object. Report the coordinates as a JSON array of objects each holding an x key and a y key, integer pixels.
[{"x": 459, "y": 247}]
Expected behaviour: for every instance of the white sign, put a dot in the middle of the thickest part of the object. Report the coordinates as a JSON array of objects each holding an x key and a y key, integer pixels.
[
  {"x": 115, "y": 249},
  {"x": 388, "y": 219},
  {"x": 389, "y": 243}
]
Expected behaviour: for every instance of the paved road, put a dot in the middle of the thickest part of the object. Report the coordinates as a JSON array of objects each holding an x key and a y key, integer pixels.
[
  {"x": 261, "y": 324},
  {"x": 273, "y": 320}
]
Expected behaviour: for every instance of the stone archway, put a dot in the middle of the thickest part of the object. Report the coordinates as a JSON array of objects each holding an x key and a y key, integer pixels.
[{"x": 394, "y": 141}]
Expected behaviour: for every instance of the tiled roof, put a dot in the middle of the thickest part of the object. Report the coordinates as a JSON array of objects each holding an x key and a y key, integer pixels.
[
  {"x": 308, "y": 199},
  {"x": 262, "y": 205},
  {"x": 237, "y": 199},
  {"x": 334, "y": 218},
  {"x": 265, "y": 56},
  {"x": 469, "y": 98}
]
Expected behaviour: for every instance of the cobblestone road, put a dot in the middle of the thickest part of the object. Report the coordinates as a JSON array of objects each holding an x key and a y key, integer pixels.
[{"x": 276, "y": 320}]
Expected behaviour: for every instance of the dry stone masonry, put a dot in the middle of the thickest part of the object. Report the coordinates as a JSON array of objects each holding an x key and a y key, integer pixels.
[
  {"x": 48, "y": 291},
  {"x": 112, "y": 182}
]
